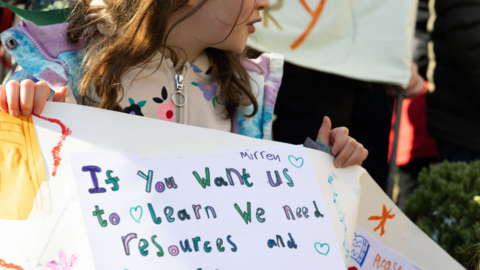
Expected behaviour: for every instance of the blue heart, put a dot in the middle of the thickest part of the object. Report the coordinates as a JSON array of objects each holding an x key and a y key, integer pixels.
[
  {"x": 296, "y": 161},
  {"x": 135, "y": 209},
  {"x": 321, "y": 245}
]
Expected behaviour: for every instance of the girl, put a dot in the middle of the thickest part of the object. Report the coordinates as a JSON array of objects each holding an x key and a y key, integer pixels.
[{"x": 182, "y": 61}]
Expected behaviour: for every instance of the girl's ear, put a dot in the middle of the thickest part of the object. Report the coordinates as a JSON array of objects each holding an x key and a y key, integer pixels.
[{"x": 192, "y": 3}]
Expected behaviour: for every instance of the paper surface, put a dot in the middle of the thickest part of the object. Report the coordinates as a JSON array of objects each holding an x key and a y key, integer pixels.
[
  {"x": 105, "y": 139},
  {"x": 351, "y": 195},
  {"x": 255, "y": 208},
  {"x": 368, "y": 253},
  {"x": 370, "y": 40}
]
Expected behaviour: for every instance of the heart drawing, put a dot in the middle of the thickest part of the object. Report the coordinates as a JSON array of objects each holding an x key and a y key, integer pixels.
[
  {"x": 297, "y": 162},
  {"x": 321, "y": 249},
  {"x": 134, "y": 213}
]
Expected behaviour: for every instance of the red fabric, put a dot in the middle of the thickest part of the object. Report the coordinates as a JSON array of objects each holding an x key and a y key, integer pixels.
[
  {"x": 6, "y": 22},
  {"x": 413, "y": 142},
  {"x": 8, "y": 62}
]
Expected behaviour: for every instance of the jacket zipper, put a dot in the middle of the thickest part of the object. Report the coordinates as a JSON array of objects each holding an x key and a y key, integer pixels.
[{"x": 178, "y": 97}]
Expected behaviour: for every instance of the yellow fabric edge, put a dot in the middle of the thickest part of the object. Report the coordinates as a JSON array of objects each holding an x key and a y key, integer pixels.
[
  {"x": 36, "y": 165},
  {"x": 19, "y": 195}
]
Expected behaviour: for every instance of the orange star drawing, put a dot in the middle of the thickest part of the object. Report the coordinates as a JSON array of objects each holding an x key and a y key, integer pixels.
[{"x": 383, "y": 218}]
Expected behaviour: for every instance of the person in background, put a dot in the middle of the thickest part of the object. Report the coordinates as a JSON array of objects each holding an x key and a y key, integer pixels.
[
  {"x": 453, "y": 111},
  {"x": 307, "y": 95},
  {"x": 364, "y": 108},
  {"x": 416, "y": 149}
]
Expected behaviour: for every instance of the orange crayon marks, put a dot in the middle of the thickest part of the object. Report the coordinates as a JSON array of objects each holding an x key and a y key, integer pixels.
[
  {"x": 4, "y": 265},
  {"x": 56, "y": 150},
  {"x": 315, "y": 16},
  {"x": 383, "y": 219}
]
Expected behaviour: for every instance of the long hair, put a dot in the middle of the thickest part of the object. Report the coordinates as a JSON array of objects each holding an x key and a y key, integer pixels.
[{"x": 137, "y": 28}]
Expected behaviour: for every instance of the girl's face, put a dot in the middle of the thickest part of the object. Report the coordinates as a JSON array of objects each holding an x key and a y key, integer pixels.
[{"x": 213, "y": 23}]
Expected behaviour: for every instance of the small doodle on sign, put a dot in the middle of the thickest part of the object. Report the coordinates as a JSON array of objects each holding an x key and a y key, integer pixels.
[
  {"x": 383, "y": 219},
  {"x": 331, "y": 178},
  {"x": 136, "y": 214},
  {"x": 360, "y": 249},
  {"x": 322, "y": 249},
  {"x": 64, "y": 263},
  {"x": 296, "y": 162},
  {"x": 56, "y": 150}
]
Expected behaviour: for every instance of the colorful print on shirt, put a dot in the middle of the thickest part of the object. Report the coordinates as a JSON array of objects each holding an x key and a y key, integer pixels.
[
  {"x": 195, "y": 68},
  {"x": 135, "y": 109},
  {"x": 209, "y": 90},
  {"x": 166, "y": 109}
]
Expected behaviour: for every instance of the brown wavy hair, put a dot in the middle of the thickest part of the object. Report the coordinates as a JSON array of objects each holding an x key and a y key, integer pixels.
[{"x": 137, "y": 28}]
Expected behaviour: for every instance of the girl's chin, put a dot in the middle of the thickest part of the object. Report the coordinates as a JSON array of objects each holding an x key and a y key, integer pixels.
[
  {"x": 238, "y": 49},
  {"x": 235, "y": 44}
]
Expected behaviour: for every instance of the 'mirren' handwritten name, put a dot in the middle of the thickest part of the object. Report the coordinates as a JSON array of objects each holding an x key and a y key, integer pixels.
[{"x": 259, "y": 155}]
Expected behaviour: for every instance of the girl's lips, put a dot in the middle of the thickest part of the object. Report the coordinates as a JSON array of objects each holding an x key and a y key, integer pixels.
[{"x": 251, "y": 28}]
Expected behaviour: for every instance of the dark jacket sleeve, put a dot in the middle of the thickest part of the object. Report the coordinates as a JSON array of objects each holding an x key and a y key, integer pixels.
[{"x": 456, "y": 37}]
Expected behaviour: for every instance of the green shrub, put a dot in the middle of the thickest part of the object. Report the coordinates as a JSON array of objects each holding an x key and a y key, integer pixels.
[{"x": 445, "y": 206}]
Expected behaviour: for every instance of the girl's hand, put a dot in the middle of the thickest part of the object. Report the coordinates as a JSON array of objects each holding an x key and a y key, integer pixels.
[
  {"x": 347, "y": 150},
  {"x": 27, "y": 97}
]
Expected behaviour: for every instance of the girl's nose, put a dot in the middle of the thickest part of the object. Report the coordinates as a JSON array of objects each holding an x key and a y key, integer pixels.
[{"x": 262, "y": 4}]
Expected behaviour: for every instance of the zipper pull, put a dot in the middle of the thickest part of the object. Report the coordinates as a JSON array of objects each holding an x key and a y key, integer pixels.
[{"x": 178, "y": 97}]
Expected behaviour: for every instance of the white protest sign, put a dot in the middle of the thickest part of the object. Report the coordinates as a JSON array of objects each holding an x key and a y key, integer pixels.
[
  {"x": 370, "y": 40},
  {"x": 250, "y": 208},
  {"x": 44, "y": 239},
  {"x": 370, "y": 254},
  {"x": 60, "y": 238}
]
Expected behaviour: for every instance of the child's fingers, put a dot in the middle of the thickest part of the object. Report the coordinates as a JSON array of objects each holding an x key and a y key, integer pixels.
[
  {"x": 324, "y": 131},
  {"x": 355, "y": 156},
  {"x": 3, "y": 99},
  {"x": 13, "y": 95},
  {"x": 345, "y": 152},
  {"x": 27, "y": 92},
  {"x": 362, "y": 158},
  {"x": 42, "y": 93},
  {"x": 60, "y": 95},
  {"x": 338, "y": 139}
]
